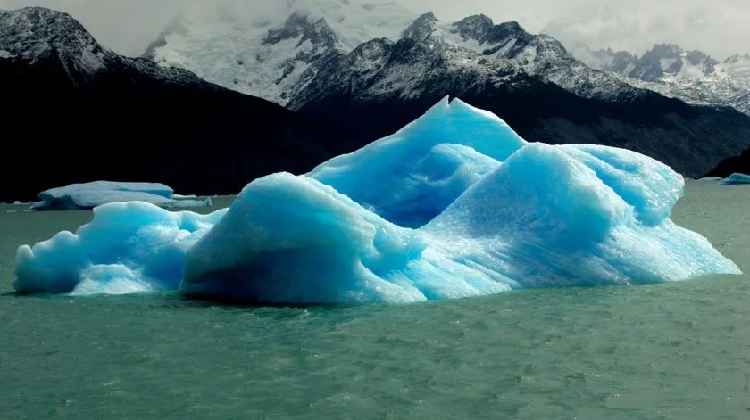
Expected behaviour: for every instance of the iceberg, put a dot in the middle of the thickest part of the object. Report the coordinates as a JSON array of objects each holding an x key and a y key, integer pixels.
[
  {"x": 94, "y": 194},
  {"x": 127, "y": 247},
  {"x": 454, "y": 205},
  {"x": 736, "y": 179}
]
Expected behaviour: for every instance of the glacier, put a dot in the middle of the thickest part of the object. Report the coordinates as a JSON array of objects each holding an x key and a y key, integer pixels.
[
  {"x": 736, "y": 179},
  {"x": 454, "y": 205},
  {"x": 94, "y": 194}
]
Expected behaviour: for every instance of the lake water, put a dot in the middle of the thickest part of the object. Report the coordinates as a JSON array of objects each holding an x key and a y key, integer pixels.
[{"x": 671, "y": 351}]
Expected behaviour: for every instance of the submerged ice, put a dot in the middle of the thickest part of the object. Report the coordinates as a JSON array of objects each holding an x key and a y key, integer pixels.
[
  {"x": 736, "y": 179},
  {"x": 454, "y": 205}
]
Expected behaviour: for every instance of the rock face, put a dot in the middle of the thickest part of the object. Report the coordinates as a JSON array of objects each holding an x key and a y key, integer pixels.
[
  {"x": 80, "y": 112},
  {"x": 365, "y": 88},
  {"x": 737, "y": 164}
]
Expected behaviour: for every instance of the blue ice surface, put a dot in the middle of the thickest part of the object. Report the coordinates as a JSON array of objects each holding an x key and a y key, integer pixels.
[
  {"x": 128, "y": 247},
  {"x": 736, "y": 179},
  {"x": 413, "y": 175},
  {"x": 97, "y": 193},
  {"x": 454, "y": 205}
]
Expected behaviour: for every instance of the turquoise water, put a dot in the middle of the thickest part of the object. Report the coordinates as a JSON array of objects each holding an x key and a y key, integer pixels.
[{"x": 671, "y": 351}]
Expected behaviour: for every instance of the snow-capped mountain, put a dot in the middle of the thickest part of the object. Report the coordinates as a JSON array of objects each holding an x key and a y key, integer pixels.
[
  {"x": 538, "y": 55},
  {"x": 692, "y": 76},
  {"x": 36, "y": 35},
  {"x": 397, "y": 80},
  {"x": 77, "y": 112},
  {"x": 267, "y": 57},
  {"x": 276, "y": 58},
  {"x": 360, "y": 92},
  {"x": 316, "y": 64},
  {"x": 493, "y": 52},
  {"x": 660, "y": 62}
]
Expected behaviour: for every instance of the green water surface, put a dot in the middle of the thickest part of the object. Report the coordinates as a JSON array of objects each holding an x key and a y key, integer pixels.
[{"x": 670, "y": 351}]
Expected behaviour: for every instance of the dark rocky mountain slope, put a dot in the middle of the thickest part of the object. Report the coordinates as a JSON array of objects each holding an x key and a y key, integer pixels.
[{"x": 737, "y": 164}]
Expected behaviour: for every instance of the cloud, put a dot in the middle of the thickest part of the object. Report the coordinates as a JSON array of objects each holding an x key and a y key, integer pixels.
[{"x": 718, "y": 27}]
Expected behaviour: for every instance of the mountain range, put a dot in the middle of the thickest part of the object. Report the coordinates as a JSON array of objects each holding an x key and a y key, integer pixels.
[
  {"x": 217, "y": 101},
  {"x": 366, "y": 83},
  {"x": 273, "y": 55},
  {"x": 692, "y": 76}
]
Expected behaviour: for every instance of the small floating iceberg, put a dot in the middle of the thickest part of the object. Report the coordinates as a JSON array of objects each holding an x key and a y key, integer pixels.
[
  {"x": 736, "y": 179},
  {"x": 454, "y": 205},
  {"x": 94, "y": 194},
  {"x": 128, "y": 247}
]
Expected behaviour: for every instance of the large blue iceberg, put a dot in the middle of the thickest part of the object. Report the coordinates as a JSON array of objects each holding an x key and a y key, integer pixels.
[{"x": 454, "y": 205}]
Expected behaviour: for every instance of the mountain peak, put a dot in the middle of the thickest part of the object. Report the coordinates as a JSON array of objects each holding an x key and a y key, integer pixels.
[
  {"x": 36, "y": 13},
  {"x": 482, "y": 29},
  {"x": 671, "y": 60},
  {"x": 666, "y": 50},
  {"x": 422, "y": 27},
  {"x": 696, "y": 57},
  {"x": 475, "y": 27},
  {"x": 38, "y": 34},
  {"x": 299, "y": 25},
  {"x": 737, "y": 58},
  {"x": 33, "y": 32}
]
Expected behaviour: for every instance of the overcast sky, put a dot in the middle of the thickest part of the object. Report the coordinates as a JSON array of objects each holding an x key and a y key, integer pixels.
[{"x": 718, "y": 27}]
